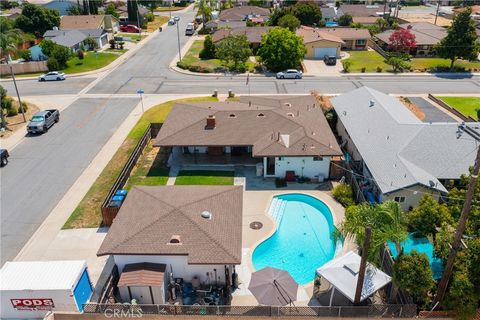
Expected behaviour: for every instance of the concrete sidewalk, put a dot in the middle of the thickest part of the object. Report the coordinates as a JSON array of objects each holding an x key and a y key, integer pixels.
[{"x": 50, "y": 242}]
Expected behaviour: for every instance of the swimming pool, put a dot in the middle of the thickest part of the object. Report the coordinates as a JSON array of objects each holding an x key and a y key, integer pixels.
[
  {"x": 303, "y": 240},
  {"x": 421, "y": 245}
]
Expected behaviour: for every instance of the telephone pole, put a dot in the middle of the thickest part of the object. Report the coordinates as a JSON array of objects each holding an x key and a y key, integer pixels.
[
  {"x": 20, "y": 106},
  {"x": 363, "y": 266},
  {"x": 467, "y": 205}
]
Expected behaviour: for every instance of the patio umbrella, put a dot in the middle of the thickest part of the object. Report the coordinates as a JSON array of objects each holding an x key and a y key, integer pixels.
[{"x": 273, "y": 287}]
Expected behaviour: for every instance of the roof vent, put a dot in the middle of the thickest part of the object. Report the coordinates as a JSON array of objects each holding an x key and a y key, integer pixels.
[
  {"x": 260, "y": 115},
  {"x": 290, "y": 114},
  {"x": 288, "y": 104},
  {"x": 175, "y": 239},
  {"x": 372, "y": 103},
  {"x": 232, "y": 115},
  {"x": 206, "y": 215}
]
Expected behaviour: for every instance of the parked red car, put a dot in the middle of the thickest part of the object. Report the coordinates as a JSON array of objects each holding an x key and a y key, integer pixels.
[{"x": 130, "y": 28}]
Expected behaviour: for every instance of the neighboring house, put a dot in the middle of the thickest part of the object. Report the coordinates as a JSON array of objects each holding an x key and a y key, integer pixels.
[
  {"x": 243, "y": 13},
  {"x": 401, "y": 158},
  {"x": 427, "y": 35},
  {"x": 353, "y": 38},
  {"x": 73, "y": 39},
  {"x": 187, "y": 231},
  {"x": 123, "y": 12},
  {"x": 319, "y": 43},
  {"x": 36, "y": 53},
  {"x": 361, "y": 10},
  {"x": 329, "y": 14},
  {"x": 367, "y": 21},
  {"x": 99, "y": 21},
  {"x": 254, "y": 34},
  {"x": 214, "y": 25},
  {"x": 277, "y": 133},
  {"x": 61, "y": 6}
]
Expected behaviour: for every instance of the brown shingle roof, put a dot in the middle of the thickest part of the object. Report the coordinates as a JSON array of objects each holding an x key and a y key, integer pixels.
[
  {"x": 348, "y": 33},
  {"x": 425, "y": 33},
  {"x": 361, "y": 10},
  {"x": 365, "y": 20},
  {"x": 238, "y": 124},
  {"x": 313, "y": 35},
  {"x": 151, "y": 216},
  {"x": 254, "y": 34},
  {"x": 81, "y": 22},
  {"x": 239, "y": 13},
  {"x": 142, "y": 274}
]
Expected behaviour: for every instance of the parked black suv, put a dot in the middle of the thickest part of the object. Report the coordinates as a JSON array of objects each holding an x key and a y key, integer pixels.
[
  {"x": 330, "y": 60},
  {"x": 4, "y": 157}
]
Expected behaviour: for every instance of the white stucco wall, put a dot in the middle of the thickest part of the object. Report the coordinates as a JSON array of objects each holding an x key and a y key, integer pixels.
[
  {"x": 181, "y": 269},
  {"x": 311, "y": 169}
]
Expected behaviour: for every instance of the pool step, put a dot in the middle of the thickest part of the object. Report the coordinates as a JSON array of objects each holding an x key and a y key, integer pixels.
[{"x": 276, "y": 209}]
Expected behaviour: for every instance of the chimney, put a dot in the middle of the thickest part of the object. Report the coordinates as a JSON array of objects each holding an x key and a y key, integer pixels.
[{"x": 210, "y": 122}]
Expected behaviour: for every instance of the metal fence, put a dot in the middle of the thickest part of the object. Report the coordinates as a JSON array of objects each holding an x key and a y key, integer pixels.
[
  {"x": 379, "y": 311},
  {"x": 109, "y": 213}
]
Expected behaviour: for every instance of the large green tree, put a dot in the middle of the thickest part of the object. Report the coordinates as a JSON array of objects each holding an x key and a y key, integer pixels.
[
  {"x": 60, "y": 53},
  {"x": 345, "y": 20},
  {"x": 234, "y": 51},
  {"x": 308, "y": 13},
  {"x": 461, "y": 39},
  {"x": 132, "y": 10},
  {"x": 110, "y": 9},
  {"x": 281, "y": 49},
  {"x": 413, "y": 274},
  {"x": 204, "y": 10},
  {"x": 9, "y": 39},
  {"x": 36, "y": 20},
  {"x": 290, "y": 22},
  {"x": 428, "y": 216}
]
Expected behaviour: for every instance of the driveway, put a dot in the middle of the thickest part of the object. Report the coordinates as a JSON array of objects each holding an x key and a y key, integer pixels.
[
  {"x": 319, "y": 68},
  {"x": 432, "y": 113}
]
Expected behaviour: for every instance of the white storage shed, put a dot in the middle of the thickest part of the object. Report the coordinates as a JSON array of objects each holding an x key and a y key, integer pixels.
[{"x": 29, "y": 289}]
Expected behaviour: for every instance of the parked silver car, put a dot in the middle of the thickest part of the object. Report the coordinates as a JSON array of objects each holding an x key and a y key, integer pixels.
[
  {"x": 290, "y": 74},
  {"x": 52, "y": 76},
  {"x": 43, "y": 120}
]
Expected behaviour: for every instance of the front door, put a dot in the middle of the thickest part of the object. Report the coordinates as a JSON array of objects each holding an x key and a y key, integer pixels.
[
  {"x": 270, "y": 166},
  {"x": 215, "y": 151}
]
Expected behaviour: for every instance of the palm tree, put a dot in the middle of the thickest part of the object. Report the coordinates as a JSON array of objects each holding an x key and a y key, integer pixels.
[
  {"x": 204, "y": 10},
  {"x": 382, "y": 23},
  {"x": 9, "y": 39},
  {"x": 395, "y": 227}
]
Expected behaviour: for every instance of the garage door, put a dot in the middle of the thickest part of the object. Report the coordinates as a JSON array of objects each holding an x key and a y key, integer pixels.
[{"x": 321, "y": 52}]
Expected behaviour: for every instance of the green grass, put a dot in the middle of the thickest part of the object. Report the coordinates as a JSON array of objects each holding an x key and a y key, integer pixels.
[
  {"x": 87, "y": 214},
  {"x": 133, "y": 36},
  {"x": 157, "y": 23},
  {"x": 122, "y": 51},
  {"x": 465, "y": 105},
  {"x": 90, "y": 62},
  {"x": 191, "y": 58},
  {"x": 199, "y": 177},
  {"x": 432, "y": 63},
  {"x": 163, "y": 9},
  {"x": 368, "y": 59}
]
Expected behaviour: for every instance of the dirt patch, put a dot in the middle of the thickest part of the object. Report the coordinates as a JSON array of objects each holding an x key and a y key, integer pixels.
[
  {"x": 16, "y": 122},
  {"x": 412, "y": 107},
  {"x": 324, "y": 101}
]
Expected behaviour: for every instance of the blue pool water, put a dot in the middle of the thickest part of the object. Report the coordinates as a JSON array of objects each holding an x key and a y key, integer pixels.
[
  {"x": 421, "y": 245},
  {"x": 303, "y": 240},
  {"x": 331, "y": 24}
]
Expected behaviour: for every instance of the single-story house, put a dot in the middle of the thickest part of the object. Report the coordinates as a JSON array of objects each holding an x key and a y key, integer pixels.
[
  {"x": 100, "y": 21},
  {"x": 330, "y": 14},
  {"x": 353, "y": 38},
  {"x": 362, "y": 10},
  {"x": 61, "y": 6},
  {"x": 75, "y": 38},
  {"x": 243, "y": 13},
  {"x": 175, "y": 232},
  {"x": 214, "y": 25},
  {"x": 279, "y": 135},
  {"x": 401, "y": 158},
  {"x": 427, "y": 35},
  {"x": 319, "y": 43},
  {"x": 254, "y": 34}
]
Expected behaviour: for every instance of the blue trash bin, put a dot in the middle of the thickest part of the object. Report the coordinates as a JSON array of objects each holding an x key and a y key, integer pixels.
[
  {"x": 121, "y": 192},
  {"x": 118, "y": 198}
]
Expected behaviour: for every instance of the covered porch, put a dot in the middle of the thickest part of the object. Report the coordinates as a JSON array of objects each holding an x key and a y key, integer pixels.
[{"x": 218, "y": 156}]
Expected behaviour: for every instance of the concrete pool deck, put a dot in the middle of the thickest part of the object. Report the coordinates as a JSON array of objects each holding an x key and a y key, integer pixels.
[{"x": 255, "y": 207}]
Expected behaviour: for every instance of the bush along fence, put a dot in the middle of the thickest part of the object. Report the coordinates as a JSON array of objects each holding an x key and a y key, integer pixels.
[
  {"x": 378, "y": 311},
  {"x": 109, "y": 208},
  {"x": 450, "y": 109}
]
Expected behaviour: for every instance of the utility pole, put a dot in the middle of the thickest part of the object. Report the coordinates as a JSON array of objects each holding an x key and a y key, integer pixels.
[
  {"x": 467, "y": 205},
  {"x": 436, "y": 14},
  {"x": 363, "y": 266},
  {"x": 18, "y": 94},
  {"x": 178, "y": 39}
]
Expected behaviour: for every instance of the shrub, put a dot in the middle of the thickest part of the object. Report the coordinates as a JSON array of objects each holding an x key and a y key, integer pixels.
[
  {"x": 343, "y": 193},
  {"x": 412, "y": 273},
  {"x": 8, "y": 105},
  {"x": 112, "y": 44},
  {"x": 150, "y": 17},
  {"x": 379, "y": 69},
  {"x": 80, "y": 54},
  {"x": 52, "y": 64},
  {"x": 25, "y": 55},
  {"x": 364, "y": 69},
  {"x": 346, "y": 65},
  {"x": 91, "y": 43},
  {"x": 24, "y": 106},
  {"x": 208, "y": 51}
]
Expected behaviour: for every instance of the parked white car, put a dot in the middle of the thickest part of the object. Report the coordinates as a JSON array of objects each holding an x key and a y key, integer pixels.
[
  {"x": 171, "y": 22},
  {"x": 52, "y": 76},
  {"x": 290, "y": 74}
]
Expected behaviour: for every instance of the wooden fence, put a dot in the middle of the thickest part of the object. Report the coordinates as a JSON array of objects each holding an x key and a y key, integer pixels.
[
  {"x": 110, "y": 212},
  {"x": 450, "y": 109},
  {"x": 27, "y": 67},
  {"x": 377, "y": 48}
]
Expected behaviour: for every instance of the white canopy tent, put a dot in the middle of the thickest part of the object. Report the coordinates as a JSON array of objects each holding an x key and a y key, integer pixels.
[{"x": 342, "y": 273}]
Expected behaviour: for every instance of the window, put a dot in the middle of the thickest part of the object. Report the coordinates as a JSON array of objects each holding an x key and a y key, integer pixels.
[
  {"x": 317, "y": 158},
  {"x": 361, "y": 41},
  {"x": 399, "y": 199},
  {"x": 280, "y": 158}
]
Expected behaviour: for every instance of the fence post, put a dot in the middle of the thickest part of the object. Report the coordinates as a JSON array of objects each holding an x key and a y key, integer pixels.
[
  {"x": 339, "y": 312},
  {"x": 400, "y": 314}
]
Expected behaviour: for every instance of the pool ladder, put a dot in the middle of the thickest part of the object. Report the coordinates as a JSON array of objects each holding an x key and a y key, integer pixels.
[{"x": 276, "y": 209}]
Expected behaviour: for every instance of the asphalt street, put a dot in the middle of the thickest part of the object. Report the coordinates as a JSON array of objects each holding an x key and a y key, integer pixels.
[{"x": 43, "y": 167}]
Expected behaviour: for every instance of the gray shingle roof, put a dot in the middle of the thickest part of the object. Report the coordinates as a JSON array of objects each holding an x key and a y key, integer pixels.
[
  {"x": 67, "y": 38},
  {"x": 238, "y": 124},
  {"x": 398, "y": 149},
  {"x": 151, "y": 216}
]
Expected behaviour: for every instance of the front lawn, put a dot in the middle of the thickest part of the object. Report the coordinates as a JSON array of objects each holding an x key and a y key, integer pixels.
[
  {"x": 90, "y": 62},
  {"x": 157, "y": 23},
  {"x": 367, "y": 59},
  {"x": 466, "y": 105},
  {"x": 132, "y": 36},
  {"x": 163, "y": 9},
  {"x": 88, "y": 214},
  {"x": 199, "y": 177},
  {"x": 433, "y": 63},
  {"x": 192, "y": 62}
]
